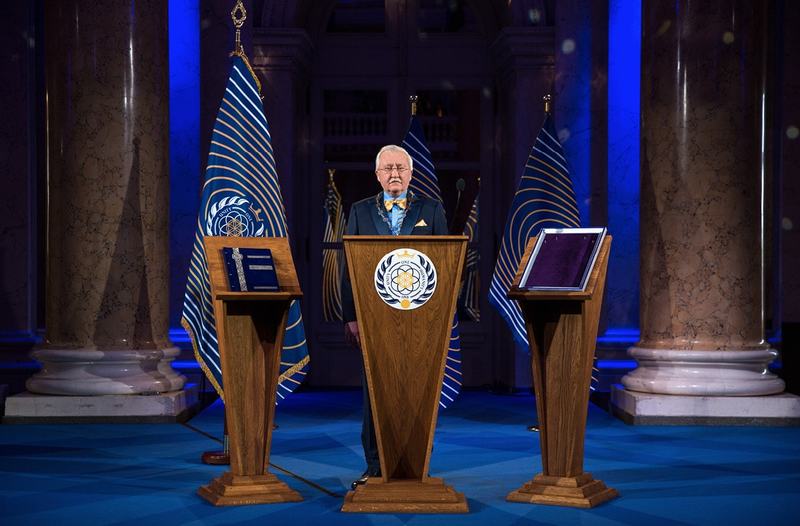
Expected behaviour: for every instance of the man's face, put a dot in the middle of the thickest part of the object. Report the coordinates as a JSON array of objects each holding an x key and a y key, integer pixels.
[{"x": 393, "y": 172}]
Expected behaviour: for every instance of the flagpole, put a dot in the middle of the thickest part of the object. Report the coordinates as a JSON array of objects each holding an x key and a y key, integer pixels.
[
  {"x": 547, "y": 99},
  {"x": 413, "y": 100},
  {"x": 238, "y": 16}
]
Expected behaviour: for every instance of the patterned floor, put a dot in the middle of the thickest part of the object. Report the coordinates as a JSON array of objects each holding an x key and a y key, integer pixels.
[{"x": 132, "y": 474}]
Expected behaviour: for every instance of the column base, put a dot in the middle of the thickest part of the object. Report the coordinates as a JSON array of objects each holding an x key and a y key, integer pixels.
[
  {"x": 703, "y": 372},
  {"x": 582, "y": 491},
  {"x": 79, "y": 372},
  {"x": 237, "y": 490},
  {"x": 656, "y": 409},
  {"x": 405, "y": 496},
  {"x": 175, "y": 406}
]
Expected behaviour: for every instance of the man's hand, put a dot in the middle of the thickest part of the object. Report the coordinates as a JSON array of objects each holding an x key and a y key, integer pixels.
[{"x": 351, "y": 334}]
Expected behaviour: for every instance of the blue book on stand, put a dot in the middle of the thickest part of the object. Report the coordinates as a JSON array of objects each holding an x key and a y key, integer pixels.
[{"x": 250, "y": 269}]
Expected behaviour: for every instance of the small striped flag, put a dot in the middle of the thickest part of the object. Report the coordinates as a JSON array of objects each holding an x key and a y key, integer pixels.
[
  {"x": 545, "y": 199},
  {"x": 424, "y": 182},
  {"x": 332, "y": 263},
  {"x": 470, "y": 292},
  {"x": 241, "y": 197}
]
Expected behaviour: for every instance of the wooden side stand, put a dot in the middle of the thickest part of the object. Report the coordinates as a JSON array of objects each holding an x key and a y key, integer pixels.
[
  {"x": 250, "y": 328},
  {"x": 562, "y": 331},
  {"x": 404, "y": 357}
]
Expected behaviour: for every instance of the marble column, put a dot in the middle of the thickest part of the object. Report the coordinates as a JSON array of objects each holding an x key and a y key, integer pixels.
[
  {"x": 702, "y": 232},
  {"x": 108, "y": 253},
  {"x": 524, "y": 62}
]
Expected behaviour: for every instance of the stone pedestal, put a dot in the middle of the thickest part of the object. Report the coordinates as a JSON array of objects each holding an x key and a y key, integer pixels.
[
  {"x": 108, "y": 198},
  {"x": 175, "y": 406},
  {"x": 702, "y": 229},
  {"x": 654, "y": 409}
]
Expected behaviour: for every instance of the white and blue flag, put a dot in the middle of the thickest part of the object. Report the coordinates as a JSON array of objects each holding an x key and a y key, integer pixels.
[
  {"x": 424, "y": 182},
  {"x": 545, "y": 198},
  {"x": 241, "y": 197}
]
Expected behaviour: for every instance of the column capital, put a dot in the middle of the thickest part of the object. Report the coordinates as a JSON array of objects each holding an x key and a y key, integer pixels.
[
  {"x": 282, "y": 49},
  {"x": 523, "y": 48}
]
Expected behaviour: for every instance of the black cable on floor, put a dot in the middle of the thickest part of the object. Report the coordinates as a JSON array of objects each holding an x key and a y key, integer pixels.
[{"x": 284, "y": 470}]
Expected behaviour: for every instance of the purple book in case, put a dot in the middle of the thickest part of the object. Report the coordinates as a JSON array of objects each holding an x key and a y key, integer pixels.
[{"x": 562, "y": 259}]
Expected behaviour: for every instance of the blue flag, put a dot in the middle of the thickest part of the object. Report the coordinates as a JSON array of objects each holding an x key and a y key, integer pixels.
[
  {"x": 545, "y": 199},
  {"x": 424, "y": 182},
  {"x": 241, "y": 197}
]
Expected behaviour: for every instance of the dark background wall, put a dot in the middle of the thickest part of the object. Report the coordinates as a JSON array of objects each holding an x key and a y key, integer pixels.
[{"x": 480, "y": 68}]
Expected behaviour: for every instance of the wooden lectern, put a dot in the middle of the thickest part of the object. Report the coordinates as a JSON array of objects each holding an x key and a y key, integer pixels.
[
  {"x": 404, "y": 357},
  {"x": 250, "y": 328},
  {"x": 562, "y": 331}
]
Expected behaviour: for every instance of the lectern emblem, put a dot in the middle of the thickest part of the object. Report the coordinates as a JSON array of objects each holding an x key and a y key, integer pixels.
[
  {"x": 405, "y": 279},
  {"x": 235, "y": 217}
]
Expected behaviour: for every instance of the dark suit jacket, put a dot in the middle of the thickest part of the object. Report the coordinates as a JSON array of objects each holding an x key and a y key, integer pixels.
[{"x": 365, "y": 220}]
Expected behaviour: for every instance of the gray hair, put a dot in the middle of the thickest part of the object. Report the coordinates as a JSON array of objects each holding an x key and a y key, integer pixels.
[{"x": 394, "y": 148}]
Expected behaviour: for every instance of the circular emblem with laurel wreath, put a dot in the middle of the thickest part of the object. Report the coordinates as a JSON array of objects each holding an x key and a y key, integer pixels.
[
  {"x": 234, "y": 216},
  {"x": 405, "y": 279}
]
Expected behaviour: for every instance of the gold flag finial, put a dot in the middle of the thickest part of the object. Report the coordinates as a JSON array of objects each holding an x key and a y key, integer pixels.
[
  {"x": 413, "y": 100},
  {"x": 547, "y": 99},
  {"x": 238, "y": 15},
  {"x": 331, "y": 171}
]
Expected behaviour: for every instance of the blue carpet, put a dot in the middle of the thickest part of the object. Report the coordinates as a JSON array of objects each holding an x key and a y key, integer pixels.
[{"x": 134, "y": 474}]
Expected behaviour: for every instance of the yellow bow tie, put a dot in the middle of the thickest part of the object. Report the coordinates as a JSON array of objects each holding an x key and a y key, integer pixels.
[{"x": 389, "y": 203}]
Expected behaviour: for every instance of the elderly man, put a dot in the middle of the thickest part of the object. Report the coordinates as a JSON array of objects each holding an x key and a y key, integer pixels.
[{"x": 393, "y": 211}]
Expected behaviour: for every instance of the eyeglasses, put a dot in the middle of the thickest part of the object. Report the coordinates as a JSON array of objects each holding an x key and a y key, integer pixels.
[{"x": 389, "y": 169}]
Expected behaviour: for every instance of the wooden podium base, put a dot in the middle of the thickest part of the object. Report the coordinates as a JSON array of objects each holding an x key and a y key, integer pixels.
[
  {"x": 236, "y": 490},
  {"x": 579, "y": 492},
  {"x": 405, "y": 496}
]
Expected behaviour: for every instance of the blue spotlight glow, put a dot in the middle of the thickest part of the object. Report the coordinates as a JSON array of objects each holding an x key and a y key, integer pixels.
[
  {"x": 624, "y": 57},
  {"x": 184, "y": 143}
]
